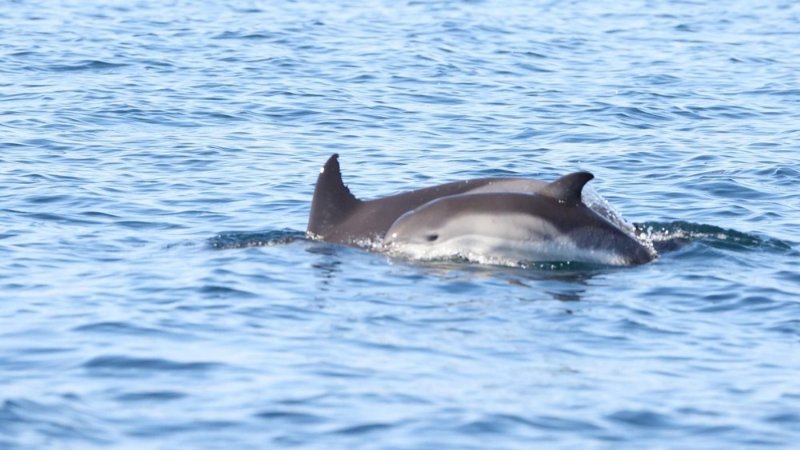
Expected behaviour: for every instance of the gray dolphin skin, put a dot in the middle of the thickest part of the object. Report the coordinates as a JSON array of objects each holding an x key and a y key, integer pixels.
[
  {"x": 508, "y": 218},
  {"x": 338, "y": 216}
]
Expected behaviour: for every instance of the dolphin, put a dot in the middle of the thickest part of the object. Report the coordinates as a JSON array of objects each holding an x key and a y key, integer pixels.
[
  {"x": 550, "y": 225},
  {"x": 504, "y": 219},
  {"x": 338, "y": 216}
]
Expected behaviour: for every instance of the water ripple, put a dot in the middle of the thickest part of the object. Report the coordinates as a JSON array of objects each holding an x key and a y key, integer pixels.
[
  {"x": 109, "y": 365},
  {"x": 158, "y": 163}
]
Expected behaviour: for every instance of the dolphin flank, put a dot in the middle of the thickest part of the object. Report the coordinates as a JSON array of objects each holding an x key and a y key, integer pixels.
[{"x": 513, "y": 227}]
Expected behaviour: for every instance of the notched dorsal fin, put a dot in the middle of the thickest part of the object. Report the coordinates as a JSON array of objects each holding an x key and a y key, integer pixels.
[
  {"x": 333, "y": 202},
  {"x": 568, "y": 188}
]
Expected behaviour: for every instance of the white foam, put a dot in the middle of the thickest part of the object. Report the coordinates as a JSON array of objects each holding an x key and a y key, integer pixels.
[{"x": 491, "y": 250}]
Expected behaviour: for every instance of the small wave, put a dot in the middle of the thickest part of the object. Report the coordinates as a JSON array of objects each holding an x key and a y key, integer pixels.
[
  {"x": 290, "y": 417},
  {"x": 224, "y": 292},
  {"x": 124, "y": 363},
  {"x": 86, "y": 65},
  {"x": 667, "y": 236},
  {"x": 244, "y": 239},
  {"x": 150, "y": 396},
  {"x": 506, "y": 423},
  {"x": 362, "y": 429},
  {"x": 45, "y": 423},
  {"x": 247, "y": 35},
  {"x": 642, "y": 418},
  {"x": 116, "y": 328}
]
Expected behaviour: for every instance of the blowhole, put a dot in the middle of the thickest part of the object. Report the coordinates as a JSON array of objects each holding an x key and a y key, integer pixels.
[{"x": 432, "y": 237}]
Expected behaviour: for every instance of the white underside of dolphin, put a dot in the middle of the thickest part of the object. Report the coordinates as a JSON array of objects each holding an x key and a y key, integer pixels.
[{"x": 513, "y": 246}]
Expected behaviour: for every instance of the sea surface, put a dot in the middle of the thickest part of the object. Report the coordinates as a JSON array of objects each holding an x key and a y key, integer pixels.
[{"x": 158, "y": 158}]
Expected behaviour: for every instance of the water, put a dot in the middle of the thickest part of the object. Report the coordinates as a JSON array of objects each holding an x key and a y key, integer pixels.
[{"x": 158, "y": 161}]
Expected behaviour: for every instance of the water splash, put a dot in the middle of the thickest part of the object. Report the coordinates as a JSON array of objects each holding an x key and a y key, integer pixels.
[
  {"x": 601, "y": 206},
  {"x": 663, "y": 237},
  {"x": 667, "y": 236}
]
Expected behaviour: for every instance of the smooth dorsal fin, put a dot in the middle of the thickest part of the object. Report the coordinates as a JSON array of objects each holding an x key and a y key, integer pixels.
[
  {"x": 568, "y": 188},
  {"x": 333, "y": 202}
]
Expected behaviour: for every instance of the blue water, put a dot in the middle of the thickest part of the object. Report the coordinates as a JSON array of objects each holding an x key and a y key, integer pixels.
[{"x": 157, "y": 163}]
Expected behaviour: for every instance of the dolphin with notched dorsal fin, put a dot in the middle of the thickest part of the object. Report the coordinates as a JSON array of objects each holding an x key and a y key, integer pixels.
[
  {"x": 338, "y": 216},
  {"x": 529, "y": 220}
]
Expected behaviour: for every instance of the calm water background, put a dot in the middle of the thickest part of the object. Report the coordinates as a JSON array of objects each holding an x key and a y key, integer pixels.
[{"x": 157, "y": 162}]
